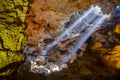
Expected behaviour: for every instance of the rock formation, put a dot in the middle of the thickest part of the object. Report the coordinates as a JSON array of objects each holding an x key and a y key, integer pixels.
[{"x": 12, "y": 38}]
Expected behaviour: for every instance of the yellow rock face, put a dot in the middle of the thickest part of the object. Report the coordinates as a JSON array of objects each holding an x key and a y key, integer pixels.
[
  {"x": 96, "y": 45},
  {"x": 110, "y": 57},
  {"x": 98, "y": 49},
  {"x": 113, "y": 57},
  {"x": 117, "y": 29},
  {"x": 12, "y": 38},
  {"x": 7, "y": 59}
]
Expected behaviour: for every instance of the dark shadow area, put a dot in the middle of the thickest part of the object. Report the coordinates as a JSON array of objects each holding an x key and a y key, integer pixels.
[{"x": 13, "y": 67}]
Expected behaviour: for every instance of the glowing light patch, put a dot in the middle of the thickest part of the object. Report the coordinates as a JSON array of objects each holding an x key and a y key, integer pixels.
[{"x": 78, "y": 32}]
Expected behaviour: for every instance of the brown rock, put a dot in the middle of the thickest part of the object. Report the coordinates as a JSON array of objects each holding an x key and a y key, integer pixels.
[{"x": 45, "y": 16}]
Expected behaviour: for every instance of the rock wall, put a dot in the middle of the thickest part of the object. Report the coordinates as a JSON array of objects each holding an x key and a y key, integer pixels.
[
  {"x": 46, "y": 16},
  {"x": 12, "y": 39}
]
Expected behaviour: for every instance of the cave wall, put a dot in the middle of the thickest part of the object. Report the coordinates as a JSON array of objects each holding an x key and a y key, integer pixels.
[{"x": 12, "y": 38}]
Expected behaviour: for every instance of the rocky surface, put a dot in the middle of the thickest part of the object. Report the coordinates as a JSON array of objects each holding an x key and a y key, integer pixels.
[
  {"x": 45, "y": 18},
  {"x": 100, "y": 59},
  {"x": 117, "y": 29},
  {"x": 12, "y": 38},
  {"x": 101, "y": 54}
]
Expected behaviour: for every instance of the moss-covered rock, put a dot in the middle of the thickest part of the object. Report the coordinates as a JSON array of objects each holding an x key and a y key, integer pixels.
[{"x": 12, "y": 39}]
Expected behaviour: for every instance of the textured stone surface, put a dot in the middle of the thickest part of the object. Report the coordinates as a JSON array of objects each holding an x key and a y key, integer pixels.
[
  {"x": 112, "y": 58},
  {"x": 46, "y": 16},
  {"x": 107, "y": 51},
  {"x": 7, "y": 58},
  {"x": 117, "y": 29},
  {"x": 12, "y": 39},
  {"x": 43, "y": 18}
]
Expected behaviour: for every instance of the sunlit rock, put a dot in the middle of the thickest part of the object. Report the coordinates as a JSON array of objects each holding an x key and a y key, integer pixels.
[
  {"x": 63, "y": 50},
  {"x": 46, "y": 17}
]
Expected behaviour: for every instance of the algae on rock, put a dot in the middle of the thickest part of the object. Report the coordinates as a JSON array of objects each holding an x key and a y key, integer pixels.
[{"x": 12, "y": 39}]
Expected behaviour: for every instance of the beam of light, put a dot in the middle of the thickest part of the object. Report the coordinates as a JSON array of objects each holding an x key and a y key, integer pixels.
[
  {"x": 86, "y": 36},
  {"x": 86, "y": 24},
  {"x": 50, "y": 46}
]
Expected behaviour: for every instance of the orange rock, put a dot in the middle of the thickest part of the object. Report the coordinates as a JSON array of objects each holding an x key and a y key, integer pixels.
[
  {"x": 96, "y": 45},
  {"x": 98, "y": 50},
  {"x": 108, "y": 57},
  {"x": 117, "y": 48},
  {"x": 117, "y": 29},
  {"x": 113, "y": 57}
]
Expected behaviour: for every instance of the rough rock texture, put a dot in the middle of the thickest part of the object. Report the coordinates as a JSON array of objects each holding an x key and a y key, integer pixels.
[
  {"x": 107, "y": 47},
  {"x": 112, "y": 58},
  {"x": 101, "y": 59},
  {"x": 87, "y": 67},
  {"x": 12, "y": 39},
  {"x": 107, "y": 52},
  {"x": 46, "y": 16},
  {"x": 117, "y": 29}
]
